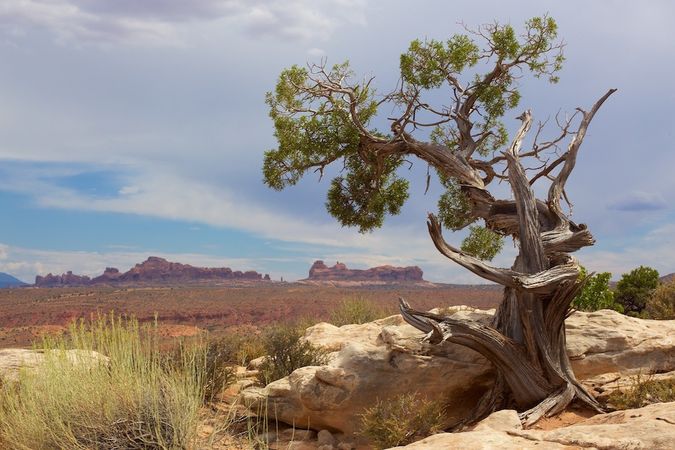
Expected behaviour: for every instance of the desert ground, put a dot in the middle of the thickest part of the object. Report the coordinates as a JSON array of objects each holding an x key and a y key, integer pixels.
[{"x": 26, "y": 314}]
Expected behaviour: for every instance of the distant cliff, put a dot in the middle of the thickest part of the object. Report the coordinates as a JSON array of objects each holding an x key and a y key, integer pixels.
[
  {"x": 153, "y": 271},
  {"x": 387, "y": 274}
]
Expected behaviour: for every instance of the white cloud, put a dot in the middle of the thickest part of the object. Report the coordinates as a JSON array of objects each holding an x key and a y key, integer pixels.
[
  {"x": 162, "y": 22},
  {"x": 129, "y": 190}
]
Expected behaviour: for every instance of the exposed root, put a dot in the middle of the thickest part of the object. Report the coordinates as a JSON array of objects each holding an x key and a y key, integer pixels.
[{"x": 550, "y": 406}]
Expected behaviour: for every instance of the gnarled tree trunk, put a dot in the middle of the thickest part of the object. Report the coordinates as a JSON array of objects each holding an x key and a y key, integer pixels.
[{"x": 526, "y": 340}]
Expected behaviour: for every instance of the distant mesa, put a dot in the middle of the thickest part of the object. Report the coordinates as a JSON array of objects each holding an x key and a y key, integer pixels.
[
  {"x": 8, "y": 281},
  {"x": 152, "y": 271},
  {"x": 381, "y": 274}
]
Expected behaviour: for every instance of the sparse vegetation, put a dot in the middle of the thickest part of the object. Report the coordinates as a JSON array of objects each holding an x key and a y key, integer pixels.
[
  {"x": 356, "y": 310},
  {"x": 287, "y": 351},
  {"x": 661, "y": 305},
  {"x": 217, "y": 372},
  {"x": 644, "y": 390},
  {"x": 596, "y": 293},
  {"x": 402, "y": 420},
  {"x": 134, "y": 400}
]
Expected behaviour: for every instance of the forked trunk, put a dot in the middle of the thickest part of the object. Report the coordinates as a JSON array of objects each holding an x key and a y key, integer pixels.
[
  {"x": 526, "y": 344},
  {"x": 526, "y": 340}
]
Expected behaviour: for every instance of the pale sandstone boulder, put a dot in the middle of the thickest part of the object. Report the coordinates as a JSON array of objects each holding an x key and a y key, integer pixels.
[
  {"x": 607, "y": 341},
  {"x": 12, "y": 360},
  {"x": 386, "y": 358},
  {"x": 648, "y": 428}
]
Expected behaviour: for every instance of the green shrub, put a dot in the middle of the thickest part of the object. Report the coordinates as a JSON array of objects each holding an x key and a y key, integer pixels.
[
  {"x": 635, "y": 288},
  {"x": 356, "y": 310},
  {"x": 286, "y": 351},
  {"x": 661, "y": 305},
  {"x": 401, "y": 420},
  {"x": 132, "y": 401},
  {"x": 596, "y": 293},
  {"x": 643, "y": 391}
]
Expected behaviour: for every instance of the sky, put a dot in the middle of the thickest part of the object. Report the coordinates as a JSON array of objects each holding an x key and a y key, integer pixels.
[{"x": 130, "y": 129}]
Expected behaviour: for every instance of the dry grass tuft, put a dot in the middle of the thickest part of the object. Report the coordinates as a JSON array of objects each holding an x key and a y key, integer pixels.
[
  {"x": 643, "y": 391},
  {"x": 402, "y": 420},
  {"x": 134, "y": 400}
]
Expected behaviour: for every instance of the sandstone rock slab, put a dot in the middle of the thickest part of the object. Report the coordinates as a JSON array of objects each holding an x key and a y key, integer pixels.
[
  {"x": 387, "y": 358},
  {"x": 648, "y": 428}
]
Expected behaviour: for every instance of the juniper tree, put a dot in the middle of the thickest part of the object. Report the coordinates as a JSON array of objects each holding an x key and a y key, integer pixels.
[{"x": 324, "y": 116}]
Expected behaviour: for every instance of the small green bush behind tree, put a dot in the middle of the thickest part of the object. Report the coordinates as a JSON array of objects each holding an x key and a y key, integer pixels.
[
  {"x": 661, "y": 305},
  {"x": 287, "y": 351},
  {"x": 596, "y": 293},
  {"x": 635, "y": 288},
  {"x": 356, "y": 310},
  {"x": 132, "y": 401},
  {"x": 401, "y": 420}
]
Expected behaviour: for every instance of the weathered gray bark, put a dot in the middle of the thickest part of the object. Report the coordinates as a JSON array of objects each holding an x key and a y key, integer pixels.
[{"x": 526, "y": 340}]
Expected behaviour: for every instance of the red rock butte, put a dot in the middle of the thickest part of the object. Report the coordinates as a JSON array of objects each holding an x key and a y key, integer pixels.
[
  {"x": 339, "y": 272},
  {"x": 154, "y": 270}
]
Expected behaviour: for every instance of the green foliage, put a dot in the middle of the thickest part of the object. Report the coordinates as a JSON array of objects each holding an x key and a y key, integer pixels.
[
  {"x": 643, "y": 391},
  {"x": 635, "y": 288},
  {"x": 661, "y": 305},
  {"x": 542, "y": 31},
  {"x": 427, "y": 63},
  {"x": 362, "y": 197},
  {"x": 132, "y": 401},
  {"x": 401, "y": 420},
  {"x": 453, "y": 207},
  {"x": 287, "y": 351},
  {"x": 356, "y": 310},
  {"x": 312, "y": 131},
  {"x": 482, "y": 243},
  {"x": 323, "y": 116},
  {"x": 596, "y": 293}
]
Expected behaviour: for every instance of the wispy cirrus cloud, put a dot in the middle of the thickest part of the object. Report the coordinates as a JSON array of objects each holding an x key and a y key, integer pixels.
[{"x": 160, "y": 22}]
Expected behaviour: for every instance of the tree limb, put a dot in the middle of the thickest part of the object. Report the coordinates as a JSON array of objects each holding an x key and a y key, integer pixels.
[
  {"x": 526, "y": 205},
  {"x": 556, "y": 189}
]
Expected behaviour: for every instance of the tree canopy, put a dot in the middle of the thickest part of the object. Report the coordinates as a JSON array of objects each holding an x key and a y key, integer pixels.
[{"x": 324, "y": 115}]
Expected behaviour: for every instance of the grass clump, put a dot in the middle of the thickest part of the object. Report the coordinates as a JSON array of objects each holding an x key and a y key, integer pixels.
[
  {"x": 287, "y": 351},
  {"x": 220, "y": 356},
  {"x": 401, "y": 420},
  {"x": 643, "y": 391},
  {"x": 132, "y": 400},
  {"x": 356, "y": 310}
]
